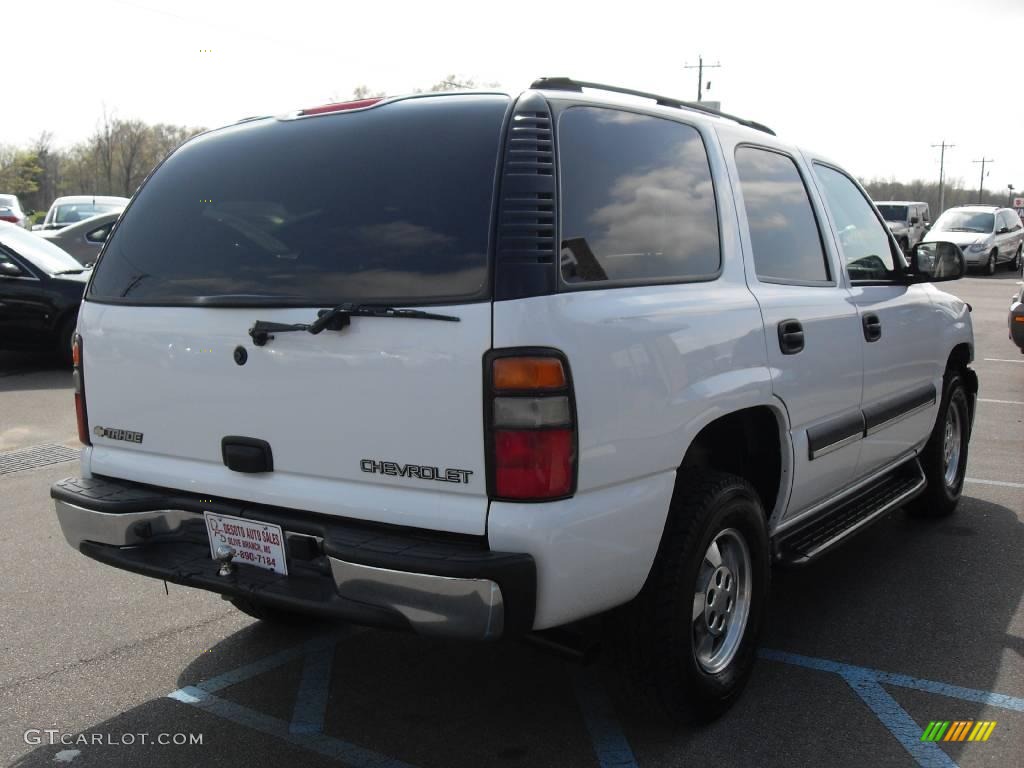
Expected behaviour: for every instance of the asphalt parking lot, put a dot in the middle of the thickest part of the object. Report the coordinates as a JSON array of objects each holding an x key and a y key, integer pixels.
[{"x": 909, "y": 623}]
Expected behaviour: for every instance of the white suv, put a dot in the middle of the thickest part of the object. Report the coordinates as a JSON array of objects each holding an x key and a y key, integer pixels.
[
  {"x": 908, "y": 221},
  {"x": 484, "y": 364}
]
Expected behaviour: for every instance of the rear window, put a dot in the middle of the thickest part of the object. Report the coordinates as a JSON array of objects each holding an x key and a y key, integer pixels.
[
  {"x": 387, "y": 205},
  {"x": 72, "y": 213}
]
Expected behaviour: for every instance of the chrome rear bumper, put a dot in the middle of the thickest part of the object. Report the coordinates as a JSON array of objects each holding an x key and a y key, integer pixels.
[{"x": 428, "y": 603}]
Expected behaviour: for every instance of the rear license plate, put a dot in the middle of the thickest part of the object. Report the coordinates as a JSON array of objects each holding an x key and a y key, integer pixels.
[{"x": 255, "y": 543}]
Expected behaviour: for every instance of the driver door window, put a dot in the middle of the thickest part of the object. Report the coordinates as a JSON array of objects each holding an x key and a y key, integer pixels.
[{"x": 865, "y": 244}]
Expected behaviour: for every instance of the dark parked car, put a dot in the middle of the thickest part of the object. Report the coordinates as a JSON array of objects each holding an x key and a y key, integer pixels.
[
  {"x": 1016, "y": 319},
  {"x": 40, "y": 289}
]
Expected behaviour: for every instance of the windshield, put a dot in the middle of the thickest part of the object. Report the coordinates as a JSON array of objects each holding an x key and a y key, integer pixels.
[
  {"x": 7, "y": 201},
  {"x": 893, "y": 212},
  {"x": 69, "y": 213},
  {"x": 40, "y": 252},
  {"x": 965, "y": 221},
  {"x": 388, "y": 205}
]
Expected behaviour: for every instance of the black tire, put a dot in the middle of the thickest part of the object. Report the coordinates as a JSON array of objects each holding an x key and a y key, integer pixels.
[
  {"x": 656, "y": 632},
  {"x": 1015, "y": 264},
  {"x": 274, "y": 615},
  {"x": 990, "y": 265},
  {"x": 940, "y": 497},
  {"x": 64, "y": 338}
]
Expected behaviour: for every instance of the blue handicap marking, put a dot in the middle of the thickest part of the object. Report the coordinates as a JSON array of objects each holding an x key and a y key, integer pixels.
[
  {"x": 867, "y": 684},
  {"x": 306, "y": 727}
]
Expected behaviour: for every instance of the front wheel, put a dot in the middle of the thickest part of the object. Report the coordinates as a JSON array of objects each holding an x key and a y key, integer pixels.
[
  {"x": 944, "y": 458},
  {"x": 690, "y": 635},
  {"x": 1015, "y": 264},
  {"x": 990, "y": 265}
]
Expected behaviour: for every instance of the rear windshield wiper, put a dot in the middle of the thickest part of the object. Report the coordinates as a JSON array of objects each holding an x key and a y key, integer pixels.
[{"x": 337, "y": 318}]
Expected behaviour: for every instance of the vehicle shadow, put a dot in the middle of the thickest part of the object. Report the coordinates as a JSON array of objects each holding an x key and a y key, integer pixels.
[
  {"x": 927, "y": 599},
  {"x": 24, "y": 371}
]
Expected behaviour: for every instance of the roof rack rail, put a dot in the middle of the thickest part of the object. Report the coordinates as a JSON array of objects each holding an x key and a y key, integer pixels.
[{"x": 568, "y": 84}]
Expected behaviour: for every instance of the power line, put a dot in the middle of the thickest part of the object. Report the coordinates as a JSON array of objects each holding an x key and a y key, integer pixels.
[
  {"x": 700, "y": 66},
  {"x": 942, "y": 173},
  {"x": 981, "y": 186}
]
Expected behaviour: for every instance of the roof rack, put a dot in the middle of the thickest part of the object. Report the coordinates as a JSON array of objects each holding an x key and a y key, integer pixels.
[{"x": 568, "y": 84}]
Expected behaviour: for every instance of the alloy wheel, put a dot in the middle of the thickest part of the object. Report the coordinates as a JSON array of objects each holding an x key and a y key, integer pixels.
[{"x": 721, "y": 600}]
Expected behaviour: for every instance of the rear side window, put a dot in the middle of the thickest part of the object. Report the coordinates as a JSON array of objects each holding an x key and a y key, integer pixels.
[
  {"x": 637, "y": 200},
  {"x": 387, "y": 205},
  {"x": 784, "y": 233}
]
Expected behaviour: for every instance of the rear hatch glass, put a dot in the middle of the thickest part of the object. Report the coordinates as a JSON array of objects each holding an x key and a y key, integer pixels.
[
  {"x": 381, "y": 420},
  {"x": 387, "y": 205}
]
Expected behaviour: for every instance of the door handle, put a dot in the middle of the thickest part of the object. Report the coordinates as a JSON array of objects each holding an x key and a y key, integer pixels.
[
  {"x": 872, "y": 327},
  {"x": 791, "y": 337}
]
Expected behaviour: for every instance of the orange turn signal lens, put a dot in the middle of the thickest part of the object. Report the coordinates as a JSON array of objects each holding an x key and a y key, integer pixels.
[
  {"x": 528, "y": 373},
  {"x": 76, "y": 351}
]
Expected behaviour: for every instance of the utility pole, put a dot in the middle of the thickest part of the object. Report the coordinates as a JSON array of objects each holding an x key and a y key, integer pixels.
[
  {"x": 981, "y": 186},
  {"x": 700, "y": 66},
  {"x": 942, "y": 174},
  {"x": 1009, "y": 195}
]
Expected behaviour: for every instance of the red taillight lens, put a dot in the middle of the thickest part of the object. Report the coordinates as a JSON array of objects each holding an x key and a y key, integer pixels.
[
  {"x": 532, "y": 426},
  {"x": 532, "y": 464},
  {"x": 12, "y": 219},
  {"x": 78, "y": 377},
  {"x": 341, "y": 106}
]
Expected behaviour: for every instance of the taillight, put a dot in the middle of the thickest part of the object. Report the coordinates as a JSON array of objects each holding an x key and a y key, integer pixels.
[
  {"x": 531, "y": 420},
  {"x": 12, "y": 219},
  {"x": 79, "y": 380},
  {"x": 342, "y": 106}
]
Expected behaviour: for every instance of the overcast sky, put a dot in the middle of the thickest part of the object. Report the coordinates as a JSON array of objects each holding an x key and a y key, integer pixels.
[{"x": 871, "y": 83}]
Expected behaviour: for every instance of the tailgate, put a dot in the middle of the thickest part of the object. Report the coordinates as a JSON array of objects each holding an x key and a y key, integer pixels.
[{"x": 380, "y": 421}]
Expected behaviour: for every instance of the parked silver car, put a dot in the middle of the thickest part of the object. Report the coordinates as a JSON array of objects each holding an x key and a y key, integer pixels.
[
  {"x": 75, "y": 208},
  {"x": 11, "y": 211},
  {"x": 84, "y": 239},
  {"x": 988, "y": 235}
]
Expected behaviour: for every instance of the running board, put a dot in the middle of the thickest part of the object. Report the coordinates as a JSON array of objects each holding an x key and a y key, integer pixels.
[{"x": 833, "y": 525}]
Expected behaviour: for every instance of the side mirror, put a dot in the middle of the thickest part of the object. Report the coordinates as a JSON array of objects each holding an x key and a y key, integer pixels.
[
  {"x": 936, "y": 262},
  {"x": 914, "y": 219},
  {"x": 9, "y": 269}
]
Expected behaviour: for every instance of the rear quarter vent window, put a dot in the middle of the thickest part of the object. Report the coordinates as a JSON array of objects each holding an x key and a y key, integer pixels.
[
  {"x": 637, "y": 203},
  {"x": 390, "y": 204}
]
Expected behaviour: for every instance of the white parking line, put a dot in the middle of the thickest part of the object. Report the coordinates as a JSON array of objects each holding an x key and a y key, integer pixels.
[
  {"x": 993, "y": 482},
  {"x": 1002, "y": 360},
  {"x": 1001, "y": 402}
]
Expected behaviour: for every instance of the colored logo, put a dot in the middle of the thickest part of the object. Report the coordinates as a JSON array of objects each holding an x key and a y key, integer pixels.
[{"x": 958, "y": 730}]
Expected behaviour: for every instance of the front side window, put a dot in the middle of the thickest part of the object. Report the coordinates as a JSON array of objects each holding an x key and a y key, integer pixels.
[
  {"x": 784, "y": 234},
  {"x": 865, "y": 243},
  {"x": 99, "y": 234},
  {"x": 637, "y": 199}
]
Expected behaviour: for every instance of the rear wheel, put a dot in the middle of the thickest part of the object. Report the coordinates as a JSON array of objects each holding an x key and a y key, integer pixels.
[
  {"x": 944, "y": 458},
  {"x": 990, "y": 265},
  {"x": 272, "y": 614},
  {"x": 688, "y": 640}
]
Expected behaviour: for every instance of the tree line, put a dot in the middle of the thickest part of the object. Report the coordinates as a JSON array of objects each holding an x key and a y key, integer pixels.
[
  {"x": 918, "y": 191},
  {"x": 114, "y": 160},
  {"x": 120, "y": 153},
  {"x": 117, "y": 157}
]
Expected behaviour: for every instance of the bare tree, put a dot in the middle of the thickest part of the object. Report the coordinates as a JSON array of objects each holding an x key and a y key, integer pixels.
[{"x": 131, "y": 136}]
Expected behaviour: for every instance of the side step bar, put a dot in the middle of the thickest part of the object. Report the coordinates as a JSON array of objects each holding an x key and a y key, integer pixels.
[{"x": 835, "y": 524}]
